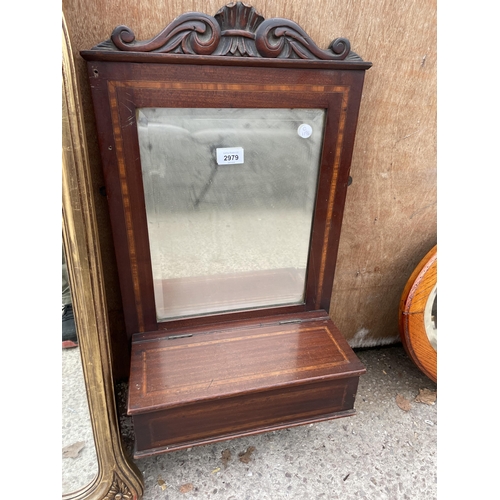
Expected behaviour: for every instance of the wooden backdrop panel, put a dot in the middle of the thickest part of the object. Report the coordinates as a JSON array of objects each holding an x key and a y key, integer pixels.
[{"x": 390, "y": 213}]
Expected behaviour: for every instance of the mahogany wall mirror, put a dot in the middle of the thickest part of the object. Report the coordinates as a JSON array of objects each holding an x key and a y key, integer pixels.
[{"x": 226, "y": 144}]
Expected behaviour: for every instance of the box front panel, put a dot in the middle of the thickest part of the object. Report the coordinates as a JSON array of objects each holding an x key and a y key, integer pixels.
[{"x": 222, "y": 419}]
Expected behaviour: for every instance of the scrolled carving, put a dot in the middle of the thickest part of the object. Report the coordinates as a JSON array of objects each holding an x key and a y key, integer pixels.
[
  {"x": 191, "y": 33},
  {"x": 236, "y": 30},
  {"x": 286, "y": 40},
  {"x": 340, "y": 46}
]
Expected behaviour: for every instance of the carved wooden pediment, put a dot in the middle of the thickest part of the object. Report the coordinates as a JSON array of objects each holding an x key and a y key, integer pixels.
[{"x": 236, "y": 30}]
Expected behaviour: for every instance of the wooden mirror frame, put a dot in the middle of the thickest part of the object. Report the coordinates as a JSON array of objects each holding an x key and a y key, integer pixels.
[
  {"x": 413, "y": 314},
  {"x": 235, "y": 59},
  {"x": 117, "y": 476},
  {"x": 270, "y": 63}
]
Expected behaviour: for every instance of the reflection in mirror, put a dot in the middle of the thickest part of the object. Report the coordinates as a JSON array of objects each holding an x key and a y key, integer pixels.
[
  {"x": 230, "y": 195},
  {"x": 79, "y": 460},
  {"x": 430, "y": 318}
]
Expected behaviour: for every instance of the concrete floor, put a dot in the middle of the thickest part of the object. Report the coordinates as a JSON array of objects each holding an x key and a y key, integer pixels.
[
  {"x": 78, "y": 470},
  {"x": 383, "y": 452}
]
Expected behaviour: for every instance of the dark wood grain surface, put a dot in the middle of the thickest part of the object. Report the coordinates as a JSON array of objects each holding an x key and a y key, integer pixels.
[
  {"x": 171, "y": 371},
  {"x": 237, "y": 379},
  {"x": 214, "y": 376}
]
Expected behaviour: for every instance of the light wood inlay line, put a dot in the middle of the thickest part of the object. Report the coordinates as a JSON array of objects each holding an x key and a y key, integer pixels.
[
  {"x": 117, "y": 133},
  {"x": 231, "y": 381},
  {"x": 207, "y": 86},
  {"x": 331, "y": 198},
  {"x": 233, "y": 87},
  {"x": 249, "y": 337}
]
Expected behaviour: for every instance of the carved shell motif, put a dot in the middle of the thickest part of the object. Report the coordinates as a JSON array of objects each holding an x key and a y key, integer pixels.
[
  {"x": 118, "y": 491},
  {"x": 236, "y": 30},
  {"x": 238, "y": 23}
]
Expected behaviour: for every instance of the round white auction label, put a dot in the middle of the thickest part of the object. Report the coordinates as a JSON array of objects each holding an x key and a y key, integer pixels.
[{"x": 305, "y": 130}]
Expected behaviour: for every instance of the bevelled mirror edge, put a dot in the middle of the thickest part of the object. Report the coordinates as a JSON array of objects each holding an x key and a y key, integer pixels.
[
  {"x": 259, "y": 205},
  {"x": 117, "y": 474}
]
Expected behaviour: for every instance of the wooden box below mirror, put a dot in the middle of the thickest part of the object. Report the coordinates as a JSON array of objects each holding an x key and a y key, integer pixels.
[
  {"x": 238, "y": 379},
  {"x": 226, "y": 144}
]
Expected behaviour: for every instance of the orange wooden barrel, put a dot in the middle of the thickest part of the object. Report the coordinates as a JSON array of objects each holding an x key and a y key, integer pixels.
[{"x": 418, "y": 315}]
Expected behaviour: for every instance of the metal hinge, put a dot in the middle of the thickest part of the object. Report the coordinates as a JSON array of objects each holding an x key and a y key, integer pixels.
[
  {"x": 173, "y": 337},
  {"x": 288, "y": 321}
]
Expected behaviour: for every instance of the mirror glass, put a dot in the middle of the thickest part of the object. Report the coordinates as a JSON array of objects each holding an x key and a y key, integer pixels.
[
  {"x": 230, "y": 195},
  {"x": 79, "y": 460},
  {"x": 430, "y": 318}
]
